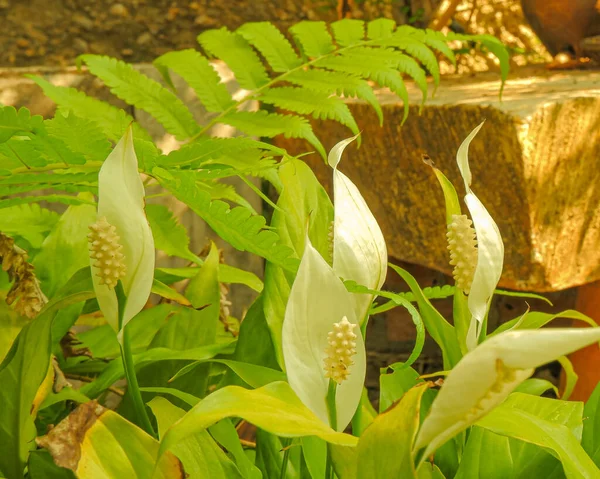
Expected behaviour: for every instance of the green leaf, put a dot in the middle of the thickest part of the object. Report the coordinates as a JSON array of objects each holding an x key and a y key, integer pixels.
[
  {"x": 348, "y": 31},
  {"x": 112, "y": 120},
  {"x": 109, "y": 446},
  {"x": 262, "y": 123},
  {"x": 102, "y": 340},
  {"x": 272, "y": 45},
  {"x": 114, "y": 371},
  {"x": 313, "y": 37},
  {"x": 169, "y": 235},
  {"x": 441, "y": 331},
  {"x": 559, "y": 439},
  {"x": 235, "y": 51},
  {"x": 303, "y": 203},
  {"x": 319, "y": 105},
  {"x": 486, "y": 455},
  {"x": 69, "y": 128},
  {"x": 226, "y": 435},
  {"x": 255, "y": 376},
  {"x": 536, "y": 387},
  {"x": 392, "y": 386},
  {"x": 591, "y": 426},
  {"x": 144, "y": 93},
  {"x": 197, "y": 71},
  {"x": 41, "y": 466},
  {"x": 21, "y": 373},
  {"x": 65, "y": 249},
  {"x": 385, "y": 448},
  {"x": 536, "y": 319},
  {"x": 336, "y": 83},
  {"x": 523, "y": 294},
  {"x": 65, "y": 199},
  {"x": 29, "y": 222},
  {"x": 227, "y": 274},
  {"x": 200, "y": 455},
  {"x": 274, "y": 408},
  {"x": 13, "y": 122},
  {"x": 237, "y": 226},
  {"x": 380, "y": 28}
]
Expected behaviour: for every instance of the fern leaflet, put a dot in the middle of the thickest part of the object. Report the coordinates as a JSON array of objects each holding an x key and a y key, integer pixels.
[
  {"x": 146, "y": 94},
  {"x": 348, "y": 32},
  {"x": 313, "y": 38},
  {"x": 13, "y": 122},
  {"x": 197, "y": 71},
  {"x": 272, "y": 45}
]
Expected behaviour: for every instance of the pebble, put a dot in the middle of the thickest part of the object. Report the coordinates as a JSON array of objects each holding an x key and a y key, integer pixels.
[
  {"x": 119, "y": 10},
  {"x": 144, "y": 38},
  {"x": 23, "y": 43},
  {"x": 83, "y": 21},
  {"x": 205, "y": 21},
  {"x": 127, "y": 52},
  {"x": 80, "y": 45}
]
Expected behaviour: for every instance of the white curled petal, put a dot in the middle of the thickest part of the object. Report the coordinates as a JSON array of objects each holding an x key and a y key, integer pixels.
[
  {"x": 490, "y": 258},
  {"x": 359, "y": 250},
  {"x": 462, "y": 157},
  {"x": 317, "y": 300},
  {"x": 121, "y": 201},
  {"x": 486, "y": 376}
]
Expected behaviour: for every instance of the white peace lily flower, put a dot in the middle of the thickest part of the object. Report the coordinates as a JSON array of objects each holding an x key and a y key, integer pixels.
[
  {"x": 489, "y": 254},
  {"x": 121, "y": 242},
  {"x": 359, "y": 250},
  {"x": 486, "y": 376},
  {"x": 321, "y": 340}
]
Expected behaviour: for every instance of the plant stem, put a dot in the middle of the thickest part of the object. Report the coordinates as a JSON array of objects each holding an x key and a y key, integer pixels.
[
  {"x": 332, "y": 410},
  {"x": 133, "y": 388},
  {"x": 285, "y": 442}
]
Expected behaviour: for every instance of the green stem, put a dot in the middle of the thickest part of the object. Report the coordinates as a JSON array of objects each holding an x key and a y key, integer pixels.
[
  {"x": 133, "y": 388},
  {"x": 285, "y": 443},
  {"x": 332, "y": 410}
]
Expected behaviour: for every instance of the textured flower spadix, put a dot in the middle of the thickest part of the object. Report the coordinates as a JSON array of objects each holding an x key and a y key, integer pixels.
[
  {"x": 321, "y": 339},
  {"x": 359, "y": 251},
  {"x": 490, "y": 248},
  {"x": 487, "y": 375},
  {"x": 121, "y": 243}
]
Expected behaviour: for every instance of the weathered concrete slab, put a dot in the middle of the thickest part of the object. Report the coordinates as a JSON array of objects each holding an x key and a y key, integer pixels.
[{"x": 536, "y": 166}]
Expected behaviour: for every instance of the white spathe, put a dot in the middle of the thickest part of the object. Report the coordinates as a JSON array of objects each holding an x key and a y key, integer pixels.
[
  {"x": 490, "y": 248},
  {"x": 487, "y": 375},
  {"x": 359, "y": 250},
  {"x": 121, "y": 202},
  {"x": 317, "y": 300}
]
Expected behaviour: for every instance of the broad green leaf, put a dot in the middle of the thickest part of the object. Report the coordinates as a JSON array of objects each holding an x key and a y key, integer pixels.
[
  {"x": 486, "y": 456},
  {"x": 227, "y": 274},
  {"x": 102, "y": 340},
  {"x": 536, "y": 387},
  {"x": 200, "y": 455},
  {"x": 166, "y": 292},
  {"x": 385, "y": 448},
  {"x": 344, "y": 460},
  {"x": 314, "y": 451},
  {"x": 255, "y": 376},
  {"x": 591, "y": 426},
  {"x": 42, "y": 466},
  {"x": 527, "y": 427},
  {"x": 392, "y": 386},
  {"x": 21, "y": 373},
  {"x": 109, "y": 447},
  {"x": 536, "y": 319},
  {"x": 270, "y": 453},
  {"x": 274, "y": 408},
  {"x": 114, "y": 371},
  {"x": 65, "y": 249},
  {"x": 226, "y": 435},
  {"x": 430, "y": 471},
  {"x": 169, "y": 235},
  {"x": 303, "y": 204}
]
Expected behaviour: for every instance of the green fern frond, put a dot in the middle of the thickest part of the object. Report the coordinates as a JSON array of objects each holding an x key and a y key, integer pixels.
[
  {"x": 16, "y": 153},
  {"x": 393, "y": 80},
  {"x": 144, "y": 93},
  {"x": 197, "y": 71},
  {"x": 438, "y": 41},
  {"x": 314, "y": 38},
  {"x": 261, "y": 123},
  {"x": 238, "y": 54},
  {"x": 169, "y": 235},
  {"x": 13, "y": 122},
  {"x": 237, "y": 226},
  {"x": 271, "y": 44},
  {"x": 348, "y": 32},
  {"x": 24, "y": 200},
  {"x": 337, "y": 83},
  {"x": 319, "y": 105},
  {"x": 28, "y": 221},
  {"x": 380, "y": 28},
  {"x": 69, "y": 182},
  {"x": 80, "y": 135},
  {"x": 112, "y": 121},
  {"x": 221, "y": 191}
]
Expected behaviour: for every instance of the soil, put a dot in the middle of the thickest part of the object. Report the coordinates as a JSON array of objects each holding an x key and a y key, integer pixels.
[{"x": 55, "y": 32}]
